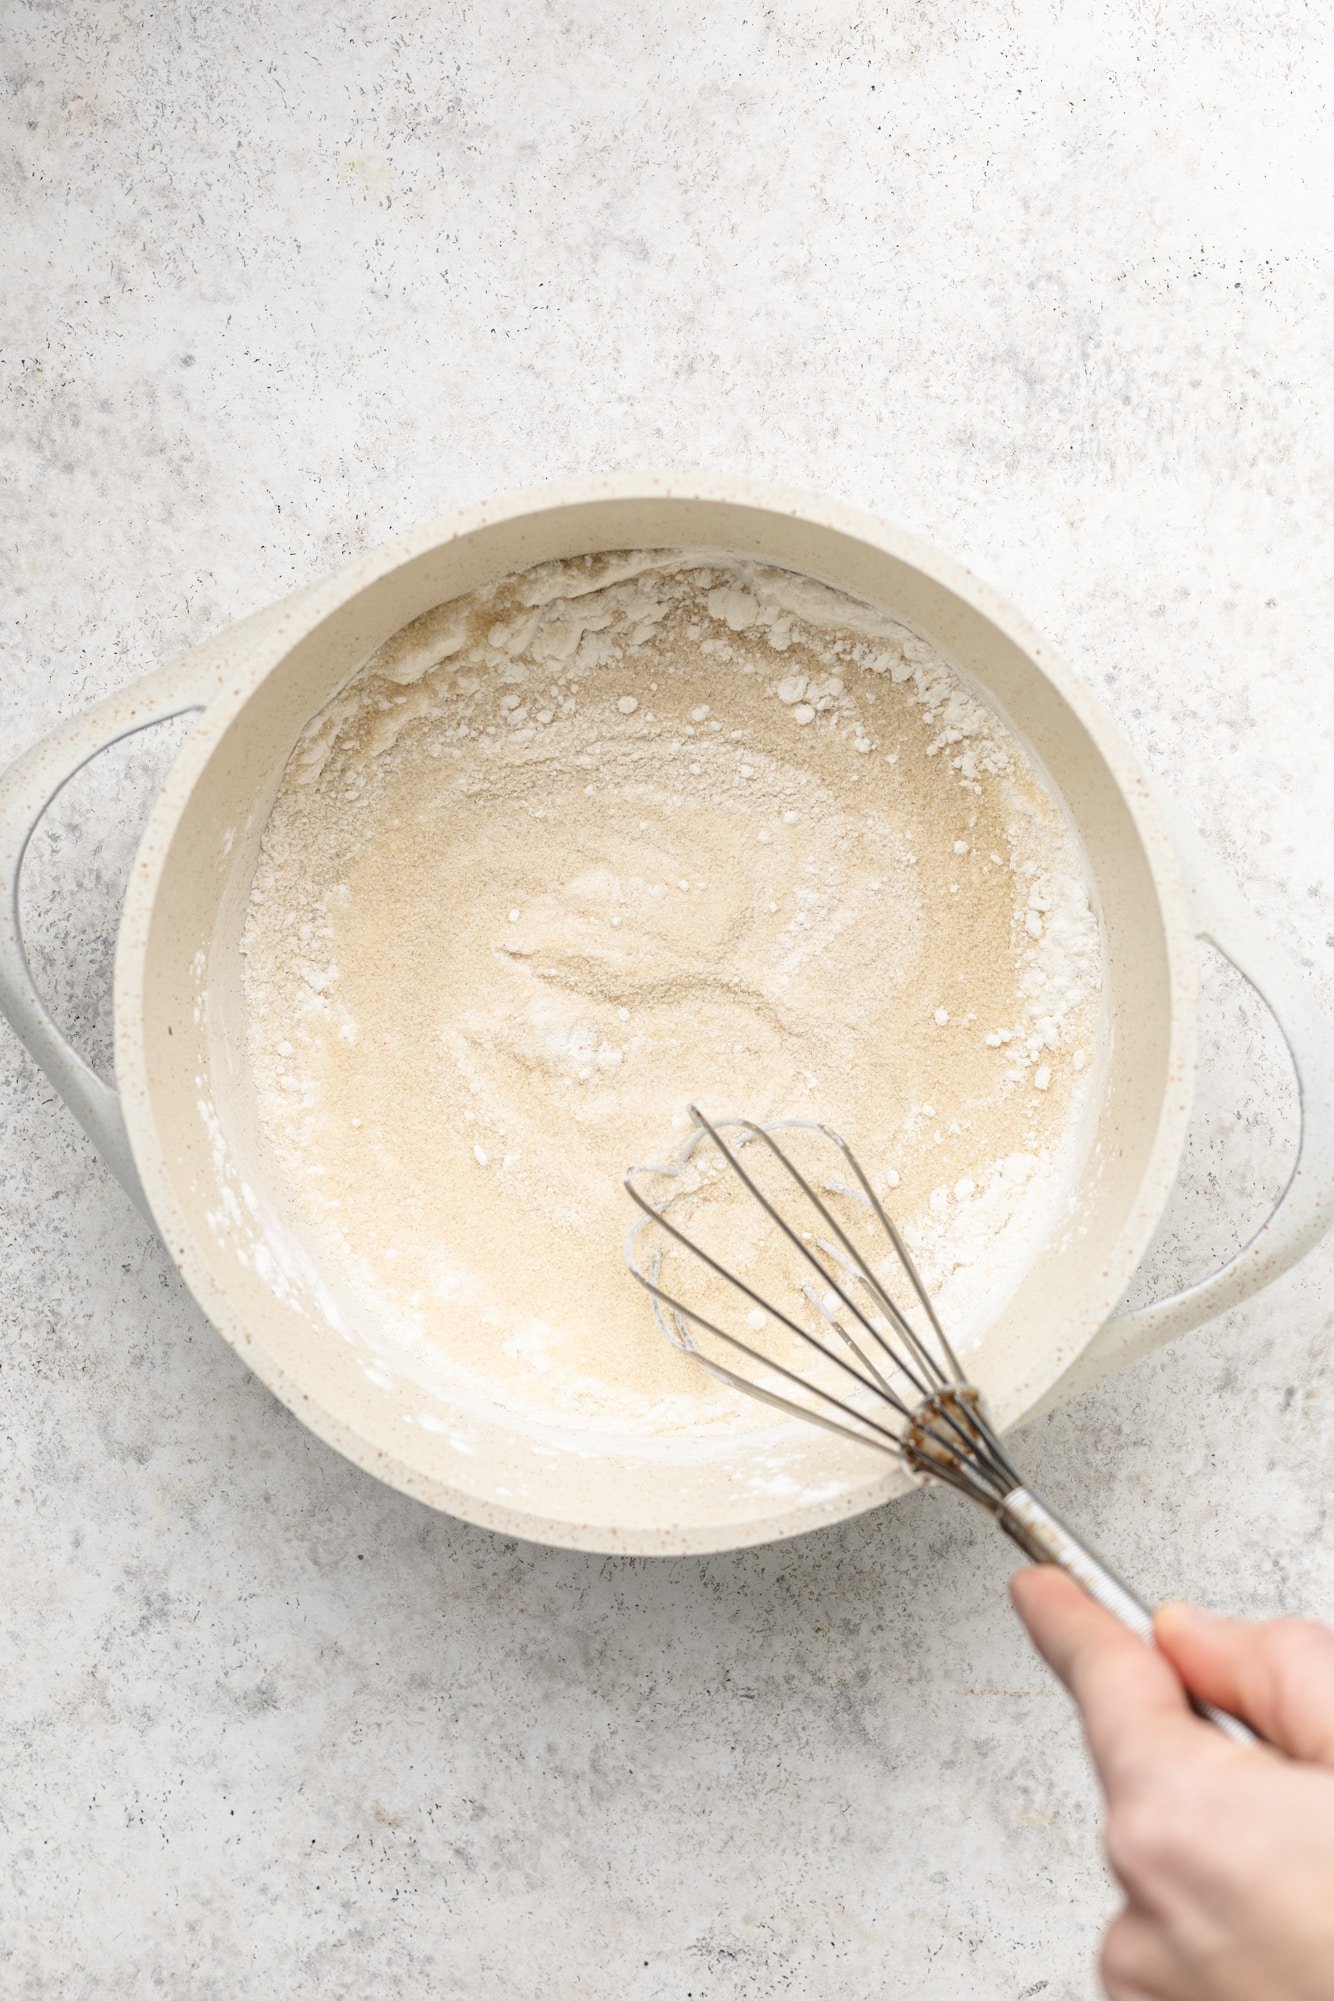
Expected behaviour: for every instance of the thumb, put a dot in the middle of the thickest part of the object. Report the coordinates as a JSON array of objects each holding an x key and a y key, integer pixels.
[
  {"x": 1277, "y": 1675},
  {"x": 1133, "y": 1710}
]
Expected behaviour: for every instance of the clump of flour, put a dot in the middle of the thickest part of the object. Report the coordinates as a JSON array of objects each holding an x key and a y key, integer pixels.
[{"x": 616, "y": 834}]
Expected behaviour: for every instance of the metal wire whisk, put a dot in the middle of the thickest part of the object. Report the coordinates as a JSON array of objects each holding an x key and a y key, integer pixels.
[{"x": 887, "y": 1384}]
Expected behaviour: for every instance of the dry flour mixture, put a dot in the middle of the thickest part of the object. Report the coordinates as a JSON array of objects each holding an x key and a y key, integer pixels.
[{"x": 622, "y": 832}]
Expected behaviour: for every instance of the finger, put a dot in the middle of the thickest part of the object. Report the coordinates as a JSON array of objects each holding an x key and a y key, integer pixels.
[
  {"x": 1128, "y": 1695},
  {"x": 1133, "y": 1963},
  {"x": 1277, "y": 1675}
]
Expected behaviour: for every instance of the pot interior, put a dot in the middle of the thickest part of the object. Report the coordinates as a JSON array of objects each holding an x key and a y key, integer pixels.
[{"x": 260, "y": 1272}]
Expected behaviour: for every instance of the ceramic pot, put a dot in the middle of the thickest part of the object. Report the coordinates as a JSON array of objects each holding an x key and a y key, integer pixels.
[{"x": 179, "y": 1128}]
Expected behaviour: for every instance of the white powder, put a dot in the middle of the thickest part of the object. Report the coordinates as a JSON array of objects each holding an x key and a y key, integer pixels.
[{"x": 623, "y": 832}]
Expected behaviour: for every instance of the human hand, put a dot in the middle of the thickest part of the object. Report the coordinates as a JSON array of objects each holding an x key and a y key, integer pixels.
[{"x": 1225, "y": 1853}]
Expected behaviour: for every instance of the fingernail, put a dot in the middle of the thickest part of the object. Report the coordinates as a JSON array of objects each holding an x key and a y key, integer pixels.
[{"x": 1187, "y": 1615}]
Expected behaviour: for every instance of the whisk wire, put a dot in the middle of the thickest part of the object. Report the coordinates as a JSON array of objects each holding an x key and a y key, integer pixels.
[
  {"x": 847, "y": 1339},
  {"x": 940, "y": 1435},
  {"x": 902, "y": 1252},
  {"x": 886, "y": 1440},
  {"x": 691, "y": 1313},
  {"x": 973, "y": 1437},
  {"x": 802, "y": 1245}
]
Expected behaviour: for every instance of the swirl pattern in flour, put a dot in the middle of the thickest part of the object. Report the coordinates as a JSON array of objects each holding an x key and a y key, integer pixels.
[{"x": 617, "y": 834}]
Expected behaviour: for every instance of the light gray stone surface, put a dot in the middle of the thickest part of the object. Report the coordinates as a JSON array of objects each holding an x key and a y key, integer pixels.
[{"x": 1049, "y": 286}]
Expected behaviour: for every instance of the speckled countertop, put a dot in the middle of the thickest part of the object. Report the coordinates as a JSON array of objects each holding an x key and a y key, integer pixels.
[{"x": 1050, "y": 287}]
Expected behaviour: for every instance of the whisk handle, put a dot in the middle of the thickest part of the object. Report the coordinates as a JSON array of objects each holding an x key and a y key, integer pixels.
[{"x": 1045, "y": 1538}]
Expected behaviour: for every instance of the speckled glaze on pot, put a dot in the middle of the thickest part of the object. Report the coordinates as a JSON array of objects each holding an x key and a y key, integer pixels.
[{"x": 180, "y": 1128}]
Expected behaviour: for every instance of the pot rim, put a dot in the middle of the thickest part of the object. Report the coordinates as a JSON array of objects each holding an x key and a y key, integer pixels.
[{"x": 290, "y": 623}]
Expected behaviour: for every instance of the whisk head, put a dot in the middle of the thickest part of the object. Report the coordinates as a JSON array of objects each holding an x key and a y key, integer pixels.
[{"x": 809, "y": 1298}]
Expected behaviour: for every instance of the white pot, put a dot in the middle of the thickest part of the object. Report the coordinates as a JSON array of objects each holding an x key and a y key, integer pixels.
[{"x": 180, "y": 1131}]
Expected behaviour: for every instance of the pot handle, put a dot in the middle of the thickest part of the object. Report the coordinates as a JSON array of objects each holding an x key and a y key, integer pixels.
[
  {"x": 1305, "y": 1209},
  {"x": 27, "y": 788}
]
